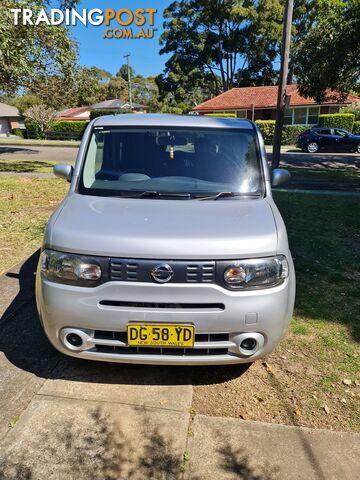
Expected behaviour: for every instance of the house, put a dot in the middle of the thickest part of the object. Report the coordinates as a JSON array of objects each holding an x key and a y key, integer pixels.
[
  {"x": 76, "y": 113},
  {"x": 116, "y": 103},
  {"x": 9, "y": 118},
  {"x": 83, "y": 113},
  {"x": 259, "y": 103}
]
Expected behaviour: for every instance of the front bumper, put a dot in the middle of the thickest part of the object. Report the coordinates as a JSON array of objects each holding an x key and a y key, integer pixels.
[{"x": 215, "y": 311}]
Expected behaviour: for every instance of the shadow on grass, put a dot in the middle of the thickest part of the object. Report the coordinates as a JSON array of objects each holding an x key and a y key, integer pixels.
[
  {"x": 24, "y": 166},
  {"x": 31, "y": 351},
  {"x": 15, "y": 149}
]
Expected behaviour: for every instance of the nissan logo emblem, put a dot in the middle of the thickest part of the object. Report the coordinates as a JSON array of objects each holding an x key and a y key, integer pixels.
[{"x": 162, "y": 273}]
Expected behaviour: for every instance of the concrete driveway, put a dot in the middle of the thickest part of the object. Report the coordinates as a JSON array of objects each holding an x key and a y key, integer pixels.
[{"x": 66, "y": 419}]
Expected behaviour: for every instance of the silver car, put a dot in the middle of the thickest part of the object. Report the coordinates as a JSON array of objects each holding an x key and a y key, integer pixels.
[{"x": 168, "y": 248}]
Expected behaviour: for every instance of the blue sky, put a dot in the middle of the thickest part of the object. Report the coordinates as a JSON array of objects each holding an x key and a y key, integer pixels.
[{"x": 108, "y": 53}]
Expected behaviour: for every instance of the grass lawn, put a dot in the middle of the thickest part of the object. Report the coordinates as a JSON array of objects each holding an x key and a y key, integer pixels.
[
  {"x": 28, "y": 166},
  {"x": 302, "y": 382},
  {"x": 303, "y": 378},
  {"x": 25, "y": 206},
  {"x": 327, "y": 177}
]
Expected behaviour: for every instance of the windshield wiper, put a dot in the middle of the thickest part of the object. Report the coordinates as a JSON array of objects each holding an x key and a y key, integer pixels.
[
  {"x": 228, "y": 194},
  {"x": 154, "y": 193}
]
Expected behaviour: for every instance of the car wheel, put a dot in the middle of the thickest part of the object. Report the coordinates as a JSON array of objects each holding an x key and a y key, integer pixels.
[
  {"x": 358, "y": 148},
  {"x": 312, "y": 147}
]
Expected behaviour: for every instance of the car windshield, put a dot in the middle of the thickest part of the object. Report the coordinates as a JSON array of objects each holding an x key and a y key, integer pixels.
[{"x": 170, "y": 162}]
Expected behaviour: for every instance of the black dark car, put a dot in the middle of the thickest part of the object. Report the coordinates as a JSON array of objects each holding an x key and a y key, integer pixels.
[{"x": 329, "y": 139}]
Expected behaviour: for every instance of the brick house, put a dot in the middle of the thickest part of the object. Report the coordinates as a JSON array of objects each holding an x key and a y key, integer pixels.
[
  {"x": 9, "y": 118},
  {"x": 259, "y": 103}
]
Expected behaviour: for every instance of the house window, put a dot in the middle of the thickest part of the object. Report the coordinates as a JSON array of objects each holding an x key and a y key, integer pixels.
[
  {"x": 288, "y": 118},
  {"x": 241, "y": 113},
  {"x": 313, "y": 116},
  {"x": 301, "y": 116}
]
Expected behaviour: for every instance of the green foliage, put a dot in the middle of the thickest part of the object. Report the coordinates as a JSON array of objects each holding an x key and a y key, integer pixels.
[
  {"x": 72, "y": 126},
  {"x": 19, "y": 132},
  {"x": 101, "y": 113},
  {"x": 25, "y": 102},
  {"x": 354, "y": 109},
  {"x": 356, "y": 128},
  {"x": 337, "y": 120},
  {"x": 39, "y": 51},
  {"x": 208, "y": 40},
  {"x": 328, "y": 55},
  {"x": 267, "y": 129},
  {"x": 224, "y": 115},
  {"x": 171, "y": 109},
  {"x": 289, "y": 133}
]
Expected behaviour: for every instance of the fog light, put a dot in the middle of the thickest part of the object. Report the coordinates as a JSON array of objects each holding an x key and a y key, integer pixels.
[
  {"x": 74, "y": 339},
  {"x": 248, "y": 344}
]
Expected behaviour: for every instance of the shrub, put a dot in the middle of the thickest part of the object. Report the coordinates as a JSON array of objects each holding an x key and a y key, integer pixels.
[
  {"x": 289, "y": 134},
  {"x": 67, "y": 130},
  {"x": 101, "y": 113},
  {"x": 267, "y": 129},
  {"x": 337, "y": 120},
  {"x": 354, "y": 108},
  {"x": 222, "y": 115},
  {"x": 356, "y": 128},
  {"x": 19, "y": 132}
]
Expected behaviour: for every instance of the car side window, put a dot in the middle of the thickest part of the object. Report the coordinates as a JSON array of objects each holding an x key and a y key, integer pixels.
[
  {"x": 343, "y": 133},
  {"x": 324, "y": 132}
]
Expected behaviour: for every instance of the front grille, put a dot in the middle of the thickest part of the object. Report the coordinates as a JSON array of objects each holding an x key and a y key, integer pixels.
[
  {"x": 160, "y": 351},
  {"x": 131, "y": 270},
  {"x": 123, "y": 270},
  {"x": 204, "y": 273},
  {"x": 116, "y": 342},
  {"x": 185, "y": 306}
]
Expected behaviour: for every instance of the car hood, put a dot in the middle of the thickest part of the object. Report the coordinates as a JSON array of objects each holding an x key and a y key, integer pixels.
[{"x": 164, "y": 229}]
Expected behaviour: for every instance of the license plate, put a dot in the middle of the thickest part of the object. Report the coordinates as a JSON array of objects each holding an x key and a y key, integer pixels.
[{"x": 160, "y": 335}]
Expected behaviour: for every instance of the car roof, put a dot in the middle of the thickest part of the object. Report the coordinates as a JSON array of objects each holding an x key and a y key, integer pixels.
[{"x": 167, "y": 120}]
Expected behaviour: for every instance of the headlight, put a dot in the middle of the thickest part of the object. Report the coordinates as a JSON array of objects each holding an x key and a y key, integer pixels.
[
  {"x": 69, "y": 268},
  {"x": 256, "y": 273}
]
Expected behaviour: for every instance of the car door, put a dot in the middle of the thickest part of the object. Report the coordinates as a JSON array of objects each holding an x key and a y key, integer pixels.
[
  {"x": 324, "y": 139},
  {"x": 343, "y": 140}
]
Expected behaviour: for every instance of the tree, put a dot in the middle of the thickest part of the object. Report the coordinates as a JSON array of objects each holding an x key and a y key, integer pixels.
[
  {"x": 25, "y": 102},
  {"x": 42, "y": 117},
  {"x": 117, "y": 88},
  {"x": 221, "y": 40},
  {"x": 123, "y": 72},
  {"x": 92, "y": 85},
  {"x": 29, "y": 51},
  {"x": 328, "y": 59}
]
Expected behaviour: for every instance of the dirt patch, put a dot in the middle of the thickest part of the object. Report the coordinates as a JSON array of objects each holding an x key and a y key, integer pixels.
[{"x": 293, "y": 386}]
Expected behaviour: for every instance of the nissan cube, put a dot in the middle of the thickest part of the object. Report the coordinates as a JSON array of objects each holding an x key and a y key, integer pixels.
[{"x": 168, "y": 247}]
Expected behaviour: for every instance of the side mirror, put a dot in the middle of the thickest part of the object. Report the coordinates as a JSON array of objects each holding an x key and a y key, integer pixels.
[
  {"x": 63, "y": 171},
  {"x": 280, "y": 176}
]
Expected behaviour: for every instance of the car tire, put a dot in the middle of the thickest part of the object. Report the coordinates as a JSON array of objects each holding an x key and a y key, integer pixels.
[{"x": 312, "y": 147}]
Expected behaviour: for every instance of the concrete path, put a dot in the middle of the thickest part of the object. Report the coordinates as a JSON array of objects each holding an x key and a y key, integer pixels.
[{"x": 65, "y": 419}]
